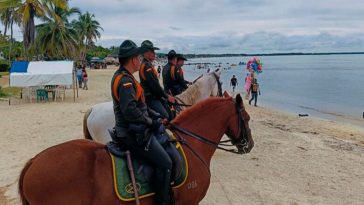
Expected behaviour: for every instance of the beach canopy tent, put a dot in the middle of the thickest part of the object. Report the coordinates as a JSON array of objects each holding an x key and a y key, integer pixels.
[
  {"x": 19, "y": 67},
  {"x": 40, "y": 73},
  {"x": 96, "y": 60}
]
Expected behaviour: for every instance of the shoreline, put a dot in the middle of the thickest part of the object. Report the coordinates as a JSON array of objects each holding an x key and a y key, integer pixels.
[
  {"x": 294, "y": 161},
  {"x": 321, "y": 115}
]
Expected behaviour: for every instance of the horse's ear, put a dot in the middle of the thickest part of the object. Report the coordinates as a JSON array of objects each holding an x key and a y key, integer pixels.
[
  {"x": 218, "y": 72},
  {"x": 226, "y": 94},
  {"x": 239, "y": 100}
]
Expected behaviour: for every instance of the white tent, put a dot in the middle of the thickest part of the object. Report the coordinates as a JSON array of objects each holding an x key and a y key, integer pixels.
[{"x": 44, "y": 73}]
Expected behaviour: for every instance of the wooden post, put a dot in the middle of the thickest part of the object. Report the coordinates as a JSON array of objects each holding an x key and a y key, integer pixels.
[
  {"x": 76, "y": 78},
  {"x": 73, "y": 84}
]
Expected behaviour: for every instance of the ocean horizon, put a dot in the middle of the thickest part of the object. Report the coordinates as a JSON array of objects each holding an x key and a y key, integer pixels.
[{"x": 325, "y": 86}]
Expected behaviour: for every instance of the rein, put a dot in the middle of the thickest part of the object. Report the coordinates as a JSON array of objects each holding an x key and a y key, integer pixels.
[
  {"x": 181, "y": 103},
  {"x": 243, "y": 143},
  {"x": 203, "y": 139},
  {"x": 197, "y": 78}
]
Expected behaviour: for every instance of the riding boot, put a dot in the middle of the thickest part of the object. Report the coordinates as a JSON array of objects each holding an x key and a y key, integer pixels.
[
  {"x": 171, "y": 197},
  {"x": 162, "y": 185}
]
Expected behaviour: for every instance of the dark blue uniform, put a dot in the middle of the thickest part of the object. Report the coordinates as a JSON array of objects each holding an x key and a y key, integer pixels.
[
  {"x": 133, "y": 120},
  {"x": 155, "y": 96}
]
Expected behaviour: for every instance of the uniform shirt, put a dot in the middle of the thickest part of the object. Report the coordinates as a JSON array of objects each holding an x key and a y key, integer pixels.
[
  {"x": 149, "y": 81},
  {"x": 180, "y": 79},
  {"x": 129, "y": 106},
  {"x": 166, "y": 77},
  {"x": 173, "y": 79}
]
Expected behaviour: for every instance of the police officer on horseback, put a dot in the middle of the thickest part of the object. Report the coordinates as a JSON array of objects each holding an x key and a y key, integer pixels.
[
  {"x": 155, "y": 97},
  {"x": 136, "y": 126},
  {"x": 173, "y": 80},
  {"x": 180, "y": 63}
]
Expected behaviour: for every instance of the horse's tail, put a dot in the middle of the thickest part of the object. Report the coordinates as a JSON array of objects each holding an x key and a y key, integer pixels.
[
  {"x": 86, "y": 132},
  {"x": 21, "y": 180}
]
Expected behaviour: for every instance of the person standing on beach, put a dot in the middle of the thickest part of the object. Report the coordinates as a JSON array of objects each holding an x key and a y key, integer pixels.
[
  {"x": 233, "y": 82},
  {"x": 84, "y": 79},
  {"x": 254, "y": 90},
  {"x": 133, "y": 119},
  {"x": 79, "y": 76},
  {"x": 155, "y": 97}
]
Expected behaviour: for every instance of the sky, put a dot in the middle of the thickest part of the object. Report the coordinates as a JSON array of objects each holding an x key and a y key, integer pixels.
[{"x": 232, "y": 26}]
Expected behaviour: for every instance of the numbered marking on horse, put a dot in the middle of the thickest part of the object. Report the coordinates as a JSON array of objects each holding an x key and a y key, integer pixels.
[{"x": 192, "y": 184}]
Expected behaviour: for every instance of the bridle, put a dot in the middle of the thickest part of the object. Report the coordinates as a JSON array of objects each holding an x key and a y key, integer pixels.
[{"x": 242, "y": 142}]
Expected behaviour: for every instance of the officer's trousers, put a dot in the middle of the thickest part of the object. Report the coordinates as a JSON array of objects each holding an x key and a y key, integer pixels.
[{"x": 159, "y": 159}]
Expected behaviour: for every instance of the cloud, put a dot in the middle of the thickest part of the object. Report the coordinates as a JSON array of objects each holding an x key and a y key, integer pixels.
[
  {"x": 215, "y": 26},
  {"x": 174, "y": 28}
]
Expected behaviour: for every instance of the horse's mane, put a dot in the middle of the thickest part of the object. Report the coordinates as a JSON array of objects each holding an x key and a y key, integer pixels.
[
  {"x": 193, "y": 92},
  {"x": 195, "y": 109}
]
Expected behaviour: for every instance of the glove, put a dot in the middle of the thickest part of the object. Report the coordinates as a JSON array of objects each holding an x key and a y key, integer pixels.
[{"x": 157, "y": 126}]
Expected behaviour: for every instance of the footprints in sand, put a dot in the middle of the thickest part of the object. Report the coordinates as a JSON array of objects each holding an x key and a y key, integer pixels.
[
  {"x": 310, "y": 132},
  {"x": 283, "y": 127},
  {"x": 334, "y": 143},
  {"x": 275, "y": 125},
  {"x": 342, "y": 145}
]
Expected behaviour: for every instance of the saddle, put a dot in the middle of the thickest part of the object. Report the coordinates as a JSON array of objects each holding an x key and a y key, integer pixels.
[{"x": 143, "y": 172}]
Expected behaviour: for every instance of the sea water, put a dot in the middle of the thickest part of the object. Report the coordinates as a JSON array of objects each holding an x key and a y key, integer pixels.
[{"x": 326, "y": 86}]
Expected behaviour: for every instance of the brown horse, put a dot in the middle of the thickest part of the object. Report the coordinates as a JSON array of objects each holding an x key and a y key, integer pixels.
[{"x": 80, "y": 171}]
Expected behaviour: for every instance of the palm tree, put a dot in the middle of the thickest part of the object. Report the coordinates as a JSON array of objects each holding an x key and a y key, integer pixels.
[
  {"x": 7, "y": 13},
  {"x": 29, "y": 9},
  {"x": 8, "y": 17},
  {"x": 56, "y": 37},
  {"x": 5, "y": 19},
  {"x": 89, "y": 30}
]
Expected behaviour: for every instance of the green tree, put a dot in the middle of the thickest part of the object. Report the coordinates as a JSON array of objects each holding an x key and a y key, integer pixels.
[
  {"x": 8, "y": 17},
  {"x": 98, "y": 51},
  {"x": 88, "y": 30},
  {"x": 28, "y": 10},
  {"x": 56, "y": 38}
]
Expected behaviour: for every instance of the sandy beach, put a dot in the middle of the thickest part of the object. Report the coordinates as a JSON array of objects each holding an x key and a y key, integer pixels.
[{"x": 295, "y": 160}]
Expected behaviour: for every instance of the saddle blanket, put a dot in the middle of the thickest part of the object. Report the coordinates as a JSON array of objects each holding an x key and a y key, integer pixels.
[{"x": 143, "y": 174}]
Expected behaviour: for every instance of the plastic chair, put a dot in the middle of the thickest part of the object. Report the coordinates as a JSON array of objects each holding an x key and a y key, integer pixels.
[
  {"x": 51, "y": 89},
  {"x": 60, "y": 92},
  {"x": 42, "y": 95}
]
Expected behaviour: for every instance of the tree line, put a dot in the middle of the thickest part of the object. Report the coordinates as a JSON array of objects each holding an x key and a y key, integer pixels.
[{"x": 63, "y": 32}]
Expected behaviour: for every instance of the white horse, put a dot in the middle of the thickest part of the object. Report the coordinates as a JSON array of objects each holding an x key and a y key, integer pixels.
[{"x": 98, "y": 119}]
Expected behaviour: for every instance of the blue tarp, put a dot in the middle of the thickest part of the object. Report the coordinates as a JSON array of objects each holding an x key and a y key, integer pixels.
[{"x": 19, "y": 67}]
